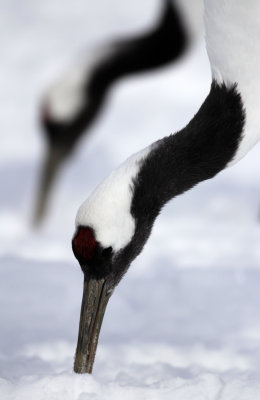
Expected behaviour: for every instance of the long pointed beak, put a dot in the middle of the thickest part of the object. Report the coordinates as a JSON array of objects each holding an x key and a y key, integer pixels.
[
  {"x": 50, "y": 168},
  {"x": 94, "y": 302}
]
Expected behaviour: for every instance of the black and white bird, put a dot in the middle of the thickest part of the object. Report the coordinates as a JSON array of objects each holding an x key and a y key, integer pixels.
[
  {"x": 114, "y": 223},
  {"x": 74, "y": 102}
]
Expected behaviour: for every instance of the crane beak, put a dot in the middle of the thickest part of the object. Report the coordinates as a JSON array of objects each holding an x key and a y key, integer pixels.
[
  {"x": 94, "y": 302},
  {"x": 50, "y": 168}
]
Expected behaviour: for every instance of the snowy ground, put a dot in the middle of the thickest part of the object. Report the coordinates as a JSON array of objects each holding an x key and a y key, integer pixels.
[{"x": 185, "y": 322}]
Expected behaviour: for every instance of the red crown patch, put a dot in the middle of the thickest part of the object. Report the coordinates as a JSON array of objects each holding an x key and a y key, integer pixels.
[{"x": 84, "y": 244}]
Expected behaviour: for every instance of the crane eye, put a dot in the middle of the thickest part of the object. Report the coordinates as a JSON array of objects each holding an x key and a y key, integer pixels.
[{"x": 107, "y": 251}]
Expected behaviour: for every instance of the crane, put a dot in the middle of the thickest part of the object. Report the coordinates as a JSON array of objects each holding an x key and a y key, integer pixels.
[{"x": 115, "y": 222}]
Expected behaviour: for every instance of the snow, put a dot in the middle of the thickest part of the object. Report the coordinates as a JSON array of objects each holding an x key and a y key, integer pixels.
[{"x": 185, "y": 321}]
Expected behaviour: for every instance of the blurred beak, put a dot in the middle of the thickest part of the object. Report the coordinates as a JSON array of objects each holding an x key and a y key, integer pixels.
[
  {"x": 94, "y": 302},
  {"x": 50, "y": 168}
]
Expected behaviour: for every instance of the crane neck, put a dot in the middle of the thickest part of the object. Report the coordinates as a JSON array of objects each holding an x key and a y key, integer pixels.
[
  {"x": 162, "y": 44},
  {"x": 198, "y": 152}
]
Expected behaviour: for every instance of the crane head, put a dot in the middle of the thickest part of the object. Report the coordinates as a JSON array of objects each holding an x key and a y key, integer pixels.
[{"x": 107, "y": 239}]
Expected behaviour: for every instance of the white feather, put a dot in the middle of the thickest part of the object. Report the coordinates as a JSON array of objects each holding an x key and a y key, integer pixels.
[
  {"x": 233, "y": 45},
  {"x": 107, "y": 210}
]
